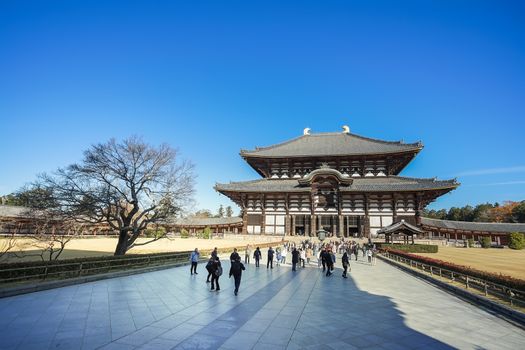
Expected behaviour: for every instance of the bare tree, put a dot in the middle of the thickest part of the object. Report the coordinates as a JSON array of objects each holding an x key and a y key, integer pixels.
[
  {"x": 51, "y": 240},
  {"x": 7, "y": 244},
  {"x": 127, "y": 185}
]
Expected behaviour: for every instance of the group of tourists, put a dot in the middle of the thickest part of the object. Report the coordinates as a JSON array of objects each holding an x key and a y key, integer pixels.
[{"x": 301, "y": 254}]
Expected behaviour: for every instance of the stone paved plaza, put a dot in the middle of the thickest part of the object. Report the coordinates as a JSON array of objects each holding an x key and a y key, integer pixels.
[{"x": 378, "y": 307}]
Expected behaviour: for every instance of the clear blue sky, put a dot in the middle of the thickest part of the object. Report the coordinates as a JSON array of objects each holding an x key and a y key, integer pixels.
[{"x": 213, "y": 77}]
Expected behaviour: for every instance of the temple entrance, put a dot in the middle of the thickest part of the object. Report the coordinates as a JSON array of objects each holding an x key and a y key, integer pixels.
[
  {"x": 329, "y": 223},
  {"x": 352, "y": 226},
  {"x": 301, "y": 225}
]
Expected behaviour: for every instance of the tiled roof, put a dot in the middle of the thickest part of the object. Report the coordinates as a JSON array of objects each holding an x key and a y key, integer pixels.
[
  {"x": 9, "y": 211},
  {"x": 398, "y": 226},
  {"x": 474, "y": 226},
  {"x": 367, "y": 184},
  {"x": 193, "y": 221},
  {"x": 331, "y": 144}
]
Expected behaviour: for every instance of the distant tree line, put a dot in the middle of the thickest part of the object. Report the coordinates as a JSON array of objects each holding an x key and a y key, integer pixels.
[
  {"x": 221, "y": 213},
  {"x": 507, "y": 212}
]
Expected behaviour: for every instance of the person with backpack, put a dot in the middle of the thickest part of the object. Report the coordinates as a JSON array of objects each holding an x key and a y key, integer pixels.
[
  {"x": 269, "y": 263},
  {"x": 209, "y": 265},
  {"x": 346, "y": 263},
  {"x": 194, "y": 258},
  {"x": 257, "y": 256},
  {"x": 216, "y": 269},
  {"x": 236, "y": 271}
]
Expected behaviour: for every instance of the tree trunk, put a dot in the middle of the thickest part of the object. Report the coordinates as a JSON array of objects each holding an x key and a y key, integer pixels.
[{"x": 122, "y": 245}]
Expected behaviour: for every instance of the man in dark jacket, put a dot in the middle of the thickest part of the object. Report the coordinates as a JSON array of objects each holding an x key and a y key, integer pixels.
[
  {"x": 269, "y": 263},
  {"x": 346, "y": 262},
  {"x": 323, "y": 257},
  {"x": 236, "y": 271},
  {"x": 234, "y": 256},
  {"x": 208, "y": 268},
  {"x": 295, "y": 258},
  {"x": 257, "y": 256},
  {"x": 329, "y": 262},
  {"x": 216, "y": 269}
]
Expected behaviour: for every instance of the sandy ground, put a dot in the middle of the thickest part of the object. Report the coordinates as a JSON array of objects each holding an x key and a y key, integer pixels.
[
  {"x": 100, "y": 246},
  {"x": 505, "y": 261}
]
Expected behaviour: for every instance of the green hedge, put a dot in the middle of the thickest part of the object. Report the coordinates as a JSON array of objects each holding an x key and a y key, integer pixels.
[{"x": 410, "y": 248}]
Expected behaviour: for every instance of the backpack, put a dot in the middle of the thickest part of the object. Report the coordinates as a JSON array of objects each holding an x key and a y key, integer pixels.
[{"x": 218, "y": 272}]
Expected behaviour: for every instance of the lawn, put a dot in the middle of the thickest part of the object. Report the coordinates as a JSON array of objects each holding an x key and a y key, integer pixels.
[
  {"x": 100, "y": 246},
  {"x": 505, "y": 261}
]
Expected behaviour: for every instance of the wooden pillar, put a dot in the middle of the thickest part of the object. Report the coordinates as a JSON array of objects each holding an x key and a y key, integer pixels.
[
  {"x": 419, "y": 205},
  {"x": 262, "y": 198},
  {"x": 341, "y": 225},
  {"x": 244, "y": 204},
  {"x": 313, "y": 224},
  {"x": 366, "y": 223},
  {"x": 288, "y": 217},
  {"x": 394, "y": 208}
]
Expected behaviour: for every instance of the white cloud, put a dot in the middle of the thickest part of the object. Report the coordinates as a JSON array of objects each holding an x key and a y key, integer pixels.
[{"x": 514, "y": 169}]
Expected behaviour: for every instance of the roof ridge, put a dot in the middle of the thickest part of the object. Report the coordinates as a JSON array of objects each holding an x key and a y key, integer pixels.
[
  {"x": 273, "y": 146},
  {"x": 433, "y": 179},
  {"x": 417, "y": 144}
]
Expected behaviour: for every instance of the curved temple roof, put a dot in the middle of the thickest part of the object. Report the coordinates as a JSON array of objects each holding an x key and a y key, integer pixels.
[
  {"x": 376, "y": 184},
  {"x": 331, "y": 144}
]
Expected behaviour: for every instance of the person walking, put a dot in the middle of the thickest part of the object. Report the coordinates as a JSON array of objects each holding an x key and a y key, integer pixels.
[
  {"x": 278, "y": 256},
  {"x": 356, "y": 250},
  {"x": 234, "y": 256},
  {"x": 284, "y": 253},
  {"x": 346, "y": 263},
  {"x": 323, "y": 256},
  {"x": 369, "y": 255},
  {"x": 295, "y": 259},
  {"x": 236, "y": 271},
  {"x": 269, "y": 263},
  {"x": 214, "y": 253},
  {"x": 216, "y": 273},
  {"x": 303, "y": 257},
  {"x": 209, "y": 265},
  {"x": 257, "y": 256},
  {"x": 194, "y": 258},
  {"x": 329, "y": 262},
  {"x": 247, "y": 254}
]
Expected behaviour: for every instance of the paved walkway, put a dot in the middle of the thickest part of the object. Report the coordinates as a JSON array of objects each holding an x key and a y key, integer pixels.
[{"x": 379, "y": 307}]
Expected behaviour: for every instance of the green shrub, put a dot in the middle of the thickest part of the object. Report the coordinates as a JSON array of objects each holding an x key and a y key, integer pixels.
[
  {"x": 486, "y": 242},
  {"x": 154, "y": 233},
  {"x": 184, "y": 233},
  {"x": 517, "y": 240},
  {"x": 206, "y": 233},
  {"x": 410, "y": 248},
  {"x": 470, "y": 242}
]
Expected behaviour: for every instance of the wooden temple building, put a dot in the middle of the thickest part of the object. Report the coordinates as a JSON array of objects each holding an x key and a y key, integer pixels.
[{"x": 340, "y": 182}]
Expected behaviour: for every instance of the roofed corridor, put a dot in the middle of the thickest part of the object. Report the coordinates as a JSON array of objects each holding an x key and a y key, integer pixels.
[{"x": 378, "y": 307}]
